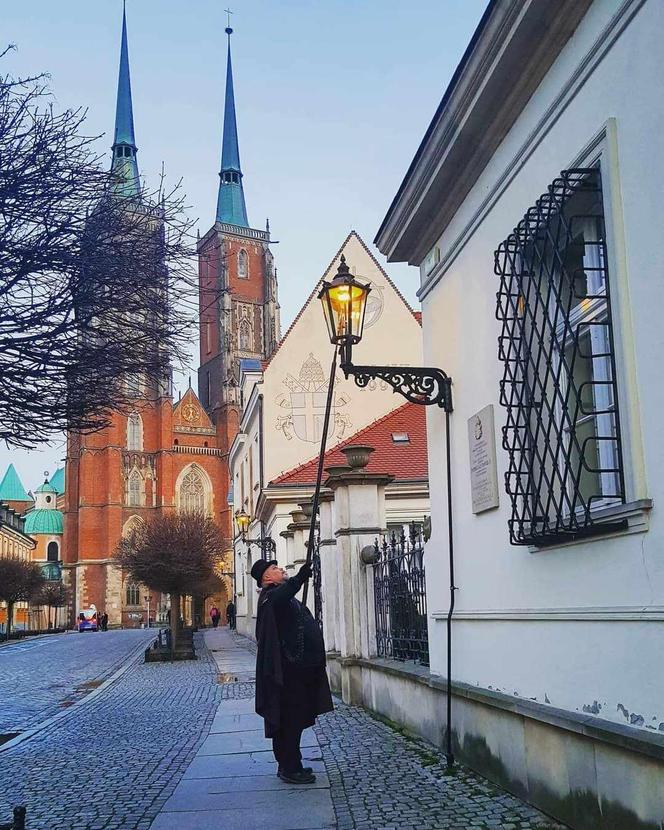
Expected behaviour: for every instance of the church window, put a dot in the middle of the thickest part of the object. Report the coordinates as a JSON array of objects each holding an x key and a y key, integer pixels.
[
  {"x": 134, "y": 432},
  {"x": 135, "y": 489},
  {"x": 133, "y": 384},
  {"x": 242, "y": 265},
  {"x": 133, "y": 594},
  {"x": 192, "y": 492},
  {"x": 52, "y": 552},
  {"x": 245, "y": 336}
]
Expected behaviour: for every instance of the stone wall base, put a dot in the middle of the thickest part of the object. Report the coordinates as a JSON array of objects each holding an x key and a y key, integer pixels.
[{"x": 589, "y": 773}]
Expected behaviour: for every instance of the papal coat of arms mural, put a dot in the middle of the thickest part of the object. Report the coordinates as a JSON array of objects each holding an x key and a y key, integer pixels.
[{"x": 304, "y": 405}]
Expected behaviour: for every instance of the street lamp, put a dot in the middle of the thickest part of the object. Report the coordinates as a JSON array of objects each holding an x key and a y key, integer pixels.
[
  {"x": 267, "y": 544},
  {"x": 344, "y": 306},
  {"x": 148, "y": 598},
  {"x": 344, "y": 301}
]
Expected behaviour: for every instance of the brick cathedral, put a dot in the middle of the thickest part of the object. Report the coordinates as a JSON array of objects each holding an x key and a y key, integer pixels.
[{"x": 172, "y": 455}]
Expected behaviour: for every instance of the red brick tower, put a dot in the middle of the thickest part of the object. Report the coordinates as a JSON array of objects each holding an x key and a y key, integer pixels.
[
  {"x": 239, "y": 309},
  {"x": 157, "y": 458}
]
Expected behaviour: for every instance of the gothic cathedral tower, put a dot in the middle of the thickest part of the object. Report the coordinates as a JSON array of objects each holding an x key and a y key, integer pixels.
[
  {"x": 239, "y": 308},
  {"x": 153, "y": 460}
]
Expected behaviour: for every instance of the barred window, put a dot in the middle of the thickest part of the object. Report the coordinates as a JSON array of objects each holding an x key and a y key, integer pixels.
[{"x": 562, "y": 429}]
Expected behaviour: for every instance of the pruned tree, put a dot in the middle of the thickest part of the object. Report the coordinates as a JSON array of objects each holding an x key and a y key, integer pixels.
[
  {"x": 176, "y": 554},
  {"x": 98, "y": 293},
  {"x": 20, "y": 581},
  {"x": 53, "y": 595}
]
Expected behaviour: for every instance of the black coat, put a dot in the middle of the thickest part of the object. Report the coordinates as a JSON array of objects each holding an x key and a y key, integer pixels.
[{"x": 290, "y": 686}]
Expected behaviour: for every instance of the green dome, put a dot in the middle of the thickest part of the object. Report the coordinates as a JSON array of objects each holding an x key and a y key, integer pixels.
[
  {"x": 46, "y": 487},
  {"x": 43, "y": 521}
]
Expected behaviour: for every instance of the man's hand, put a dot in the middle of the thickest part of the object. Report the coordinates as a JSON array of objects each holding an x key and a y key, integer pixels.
[{"x": 305, "y": 571}]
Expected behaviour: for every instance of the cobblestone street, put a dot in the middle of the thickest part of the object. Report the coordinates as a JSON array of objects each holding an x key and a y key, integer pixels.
[
  {"x": 116, "y": 760},
  {"x": 41, "y": 676}
]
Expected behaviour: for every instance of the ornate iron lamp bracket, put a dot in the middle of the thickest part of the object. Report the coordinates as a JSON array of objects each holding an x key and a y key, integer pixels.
[
  {"x": 267, "y": 545},
  {"x": 420, "y": 385}
]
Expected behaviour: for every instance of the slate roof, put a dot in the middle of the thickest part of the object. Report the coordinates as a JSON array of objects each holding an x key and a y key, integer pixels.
[{"x": 407, "y": 461}]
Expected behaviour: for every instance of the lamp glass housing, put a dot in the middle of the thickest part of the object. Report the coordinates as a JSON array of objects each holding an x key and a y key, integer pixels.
[
  {"x": 344, "y": 303},
  {"x": 242, "y": 520}
]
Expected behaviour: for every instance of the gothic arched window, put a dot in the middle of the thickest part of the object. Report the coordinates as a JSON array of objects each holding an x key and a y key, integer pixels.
[
  {"x": 135, "y": 489},
  {"x": 192, "y": 492},
  {"x": 134, "y": 432},
  {"x": 242, "y": 265},
  {"x": 52, "y": 552},
  {"x": 245, "y": 336},
  {"x": 133, "y": 594}
]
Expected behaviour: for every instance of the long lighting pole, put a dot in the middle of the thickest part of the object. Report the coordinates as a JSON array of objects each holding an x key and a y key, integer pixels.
[{"x": 319, "y": 475}]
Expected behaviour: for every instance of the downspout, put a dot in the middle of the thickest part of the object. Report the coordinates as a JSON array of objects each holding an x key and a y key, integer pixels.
[
  {"x": 449, "y": 754},
  {"x": 260, "y": 457}
]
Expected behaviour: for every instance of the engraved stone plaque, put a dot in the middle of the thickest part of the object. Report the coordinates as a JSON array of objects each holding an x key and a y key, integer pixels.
[{"x": 483, "y": 470}]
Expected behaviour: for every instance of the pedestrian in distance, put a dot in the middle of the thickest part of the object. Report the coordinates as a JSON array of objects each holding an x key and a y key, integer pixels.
[
  {"x": 230, "y": 615},
  {"x": 291, "y": 682},
  {"x": 214, "y": 616}
]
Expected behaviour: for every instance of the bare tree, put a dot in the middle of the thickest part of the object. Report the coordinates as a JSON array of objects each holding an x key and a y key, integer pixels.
[
  {"x": 52, "y": 595},
  {"x": 98, "y": 293},
  {"x": 176, "y": 554},
  {"x": 20, "y": 581}
]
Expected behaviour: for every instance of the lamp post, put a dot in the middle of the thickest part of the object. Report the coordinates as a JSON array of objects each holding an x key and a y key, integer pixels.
[
  {"x": 148, "y": 598},
  {"x": 344, "y": 301}
]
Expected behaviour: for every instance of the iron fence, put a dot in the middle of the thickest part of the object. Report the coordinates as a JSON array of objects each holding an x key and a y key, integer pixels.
[{"x": 400, "y": 597}]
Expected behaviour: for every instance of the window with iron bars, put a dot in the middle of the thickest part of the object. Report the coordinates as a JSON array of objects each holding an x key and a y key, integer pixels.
[{"x": 562, "y": 430}]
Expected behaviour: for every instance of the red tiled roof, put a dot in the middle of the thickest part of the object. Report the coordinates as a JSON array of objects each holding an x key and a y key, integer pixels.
[
  {"x": 405, "y": 461},
  {"x": 418, "y": 316}
]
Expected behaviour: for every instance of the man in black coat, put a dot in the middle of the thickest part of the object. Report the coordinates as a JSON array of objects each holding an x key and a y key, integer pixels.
[{"x": 291, "y": 681}]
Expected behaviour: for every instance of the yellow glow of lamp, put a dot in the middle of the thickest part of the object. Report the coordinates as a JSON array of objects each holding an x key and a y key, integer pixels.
[
  {"x": 242, "y": 520},
  {"x": 344, "y": 305}
]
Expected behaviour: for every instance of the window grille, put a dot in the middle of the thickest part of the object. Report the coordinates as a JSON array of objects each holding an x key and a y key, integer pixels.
[{"x": 562, "y": 430}]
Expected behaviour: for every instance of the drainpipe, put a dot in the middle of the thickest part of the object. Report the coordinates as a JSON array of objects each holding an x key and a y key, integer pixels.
[{"x": 449, "y": 754}]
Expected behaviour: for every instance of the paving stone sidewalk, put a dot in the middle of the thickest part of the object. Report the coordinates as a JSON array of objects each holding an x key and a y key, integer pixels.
[{"x": 232, "y": 781}]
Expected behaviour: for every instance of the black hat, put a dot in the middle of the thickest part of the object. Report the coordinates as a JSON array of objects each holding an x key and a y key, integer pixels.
[{"x": 259, "y": 568}]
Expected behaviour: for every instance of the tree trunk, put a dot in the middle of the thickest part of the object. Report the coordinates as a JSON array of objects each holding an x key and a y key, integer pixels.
[
  {"x": 10, "y": 618},
  {"x": 176, "y": 602}
]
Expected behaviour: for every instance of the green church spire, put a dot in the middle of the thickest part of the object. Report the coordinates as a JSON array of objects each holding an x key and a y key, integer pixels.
[
  {"x": 231, "y": 207},
  {"x": 125, "y": 165}
]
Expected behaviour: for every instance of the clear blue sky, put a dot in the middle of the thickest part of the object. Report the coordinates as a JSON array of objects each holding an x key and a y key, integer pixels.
[{"x": 332, "y": 101}]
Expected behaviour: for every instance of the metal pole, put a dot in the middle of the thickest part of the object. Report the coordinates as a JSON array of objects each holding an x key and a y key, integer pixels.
[
  {"x": 319, "y": 476},
  {"x": 449, "y": 754}
]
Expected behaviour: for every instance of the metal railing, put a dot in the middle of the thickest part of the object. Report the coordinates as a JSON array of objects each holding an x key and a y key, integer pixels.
[{"x": 400, "y": 597}]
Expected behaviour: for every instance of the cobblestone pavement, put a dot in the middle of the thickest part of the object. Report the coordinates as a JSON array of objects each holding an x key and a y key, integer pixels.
[
  {"x": 382, "y": 779},
  {"x": 40, "y": 677},
  {"x": 112, "y": 762}
]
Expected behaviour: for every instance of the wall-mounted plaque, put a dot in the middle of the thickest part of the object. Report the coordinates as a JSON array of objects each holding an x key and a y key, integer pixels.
[{"x": 483, "y": 470}]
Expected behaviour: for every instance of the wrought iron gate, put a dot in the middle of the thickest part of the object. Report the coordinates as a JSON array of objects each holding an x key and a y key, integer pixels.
[
  {"x": 316, "y": 578},
  {"x": 400, "y": 597}
]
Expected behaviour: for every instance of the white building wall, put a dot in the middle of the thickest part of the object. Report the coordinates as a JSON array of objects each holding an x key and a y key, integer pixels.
[{"x": 578, "y": 626}]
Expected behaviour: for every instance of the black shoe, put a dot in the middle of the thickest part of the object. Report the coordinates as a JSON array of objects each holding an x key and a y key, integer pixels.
[
  {"x": 300, "y": 777},
  {"x": 308, "y": 770}
]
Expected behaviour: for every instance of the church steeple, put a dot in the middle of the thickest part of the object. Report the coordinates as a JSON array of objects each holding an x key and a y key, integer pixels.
[
  {"x": 125, "y": 165},
  {"x": 231, "y": 208}
]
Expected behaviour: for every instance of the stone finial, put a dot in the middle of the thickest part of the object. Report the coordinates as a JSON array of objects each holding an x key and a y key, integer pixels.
[{"x": 357, "y": 455}]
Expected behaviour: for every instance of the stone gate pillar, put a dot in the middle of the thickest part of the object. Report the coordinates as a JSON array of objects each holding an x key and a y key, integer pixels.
[{"x": 358, "y": 517}]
